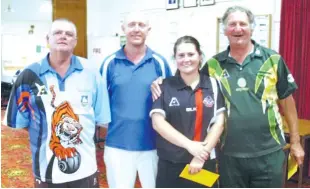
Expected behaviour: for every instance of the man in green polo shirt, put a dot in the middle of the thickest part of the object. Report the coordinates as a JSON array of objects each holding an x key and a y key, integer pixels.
[{"x": 254, "y": 81}]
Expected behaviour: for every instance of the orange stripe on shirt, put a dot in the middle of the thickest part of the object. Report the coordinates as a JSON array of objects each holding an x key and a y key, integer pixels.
[
  {"x": 25, "y": 104},
  {"x": 199, "y": 115}
]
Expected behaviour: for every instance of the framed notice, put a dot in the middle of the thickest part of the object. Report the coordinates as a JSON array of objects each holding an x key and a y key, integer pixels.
[
  {"x": 189, "y": 3},
  {"x": 261, "y": 33},
  {"x": 206, "y": 2},
  {"x": 172, "y": 4}
]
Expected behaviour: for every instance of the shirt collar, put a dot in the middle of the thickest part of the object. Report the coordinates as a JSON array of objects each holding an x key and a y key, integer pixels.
[
  {"x": 204, "y": 81},
  {"x": 257, "y": 52},
  {"x": 120, "y": 54},
  {"x": 45, "y": 66}
]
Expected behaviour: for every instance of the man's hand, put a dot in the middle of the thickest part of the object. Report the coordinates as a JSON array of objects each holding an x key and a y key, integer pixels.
[
  {"x": 195, "y": 166},
  {"x": 297, "y": 152},
  {"x": 198, "y": 150},
  {"x": 155, "y": 89}
]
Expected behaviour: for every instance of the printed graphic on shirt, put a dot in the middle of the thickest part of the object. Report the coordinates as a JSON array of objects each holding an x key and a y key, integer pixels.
[
  {"x": 208, "y": 101},
  {"x": 66, "y": 131},
  {"x": 268, "y": 75},
  {"x": 225, "y": 74},
  {"x": 218, "y": 73},
  {"x": 84, "y": 100},
  {"x": 290, "y": 78},
  {"x": 242, "y": 85},
  {"x": 174, "y": 102},
  {"x": 41, "y": 89}
]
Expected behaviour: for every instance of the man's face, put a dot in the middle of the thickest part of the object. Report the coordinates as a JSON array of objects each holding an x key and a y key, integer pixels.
[
  {"x": 238, "y": 29},
  {"x": 62, "y": 37},
  {"x": 136, "y": 29}
]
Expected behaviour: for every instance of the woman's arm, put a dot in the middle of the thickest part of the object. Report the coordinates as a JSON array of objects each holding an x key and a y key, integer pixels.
[
  {"x": 211, "y": 140},
  {"x": 168, "y": 132}
]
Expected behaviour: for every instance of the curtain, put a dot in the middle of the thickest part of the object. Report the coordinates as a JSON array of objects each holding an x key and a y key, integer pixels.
[{"x": 295, "y": 49}]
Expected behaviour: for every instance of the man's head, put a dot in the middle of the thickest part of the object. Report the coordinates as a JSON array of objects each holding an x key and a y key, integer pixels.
[
  {"x": 136, "y": 28},
  {"x": 62, "y": 36},
  {"x": 239, "y": 24}
]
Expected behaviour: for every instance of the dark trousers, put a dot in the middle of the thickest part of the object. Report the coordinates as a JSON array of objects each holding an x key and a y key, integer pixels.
[
  {"x": 168, "y": 175},
  {"x": 259, "y": 172},
  {"x": 88, "y": 182}
]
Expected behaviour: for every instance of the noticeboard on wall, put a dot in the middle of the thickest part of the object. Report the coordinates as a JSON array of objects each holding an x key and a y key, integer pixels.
[{"x": 261, "y": 34}]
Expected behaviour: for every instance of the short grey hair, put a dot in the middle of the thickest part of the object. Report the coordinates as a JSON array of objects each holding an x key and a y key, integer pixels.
[
  {"x": 241, "y": 9},
  {"x": 65, "y": 20}
]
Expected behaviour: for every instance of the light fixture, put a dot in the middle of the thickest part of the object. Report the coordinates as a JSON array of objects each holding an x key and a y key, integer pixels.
[{"x": 9, "y": 9}]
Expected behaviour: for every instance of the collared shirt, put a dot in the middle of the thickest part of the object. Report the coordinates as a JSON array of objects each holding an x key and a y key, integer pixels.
[
  {"x": 61, "y": 121},
  {"x": 131, "y": 99},
  {"x": 251, "y": 91},
  {"x": 179, "y": 104}
]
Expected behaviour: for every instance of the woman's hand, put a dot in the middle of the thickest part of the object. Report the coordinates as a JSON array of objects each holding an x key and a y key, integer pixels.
[
  {"x": 198, "y": 150},
  {"x": 195, "y": 166}
]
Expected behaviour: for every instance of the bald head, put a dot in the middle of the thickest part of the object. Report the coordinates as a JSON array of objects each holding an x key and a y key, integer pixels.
[
  {"x": 136, "y": 28},
  {"x": 136, "y": 16}
]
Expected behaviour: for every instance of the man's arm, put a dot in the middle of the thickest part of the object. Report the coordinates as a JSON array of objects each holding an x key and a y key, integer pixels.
[
  {"x": 155, "y": 88},
  {"x": 289, "y": 109}
]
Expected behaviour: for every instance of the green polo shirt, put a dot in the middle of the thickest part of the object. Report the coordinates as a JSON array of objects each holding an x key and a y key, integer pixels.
[{"x": 251, "y": 91}]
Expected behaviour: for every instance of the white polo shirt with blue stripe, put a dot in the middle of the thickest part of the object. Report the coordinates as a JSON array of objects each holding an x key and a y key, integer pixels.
[
  {"x": 61, "y": 122},
  {"x": 131, "y": 99}
]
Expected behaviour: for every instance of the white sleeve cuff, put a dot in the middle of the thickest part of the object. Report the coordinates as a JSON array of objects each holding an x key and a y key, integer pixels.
[{"x": 161, "y": 111}]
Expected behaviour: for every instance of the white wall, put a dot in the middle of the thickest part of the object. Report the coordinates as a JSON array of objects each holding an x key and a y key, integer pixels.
[
  {"x": 104, "y": 22},
  {"x": 17, "y": 46},
  {"x": 105, "y": 18}
]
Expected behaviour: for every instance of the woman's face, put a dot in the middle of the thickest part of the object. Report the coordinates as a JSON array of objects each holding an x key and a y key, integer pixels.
[{"x": 187, "y": 58}]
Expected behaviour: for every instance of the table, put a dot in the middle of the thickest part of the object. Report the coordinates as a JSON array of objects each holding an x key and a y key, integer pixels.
[{"x": 304, "y": 132}]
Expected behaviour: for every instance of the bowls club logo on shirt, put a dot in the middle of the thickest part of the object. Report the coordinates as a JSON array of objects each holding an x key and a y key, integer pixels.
[{"x": 208, "y": 101}]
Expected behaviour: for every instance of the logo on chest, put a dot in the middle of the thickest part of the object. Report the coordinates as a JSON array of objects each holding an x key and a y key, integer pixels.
[
  {"x": 174, "y": 102},
  {"x": 208, "y": 101},
  {"x": 84, "y": 100}
]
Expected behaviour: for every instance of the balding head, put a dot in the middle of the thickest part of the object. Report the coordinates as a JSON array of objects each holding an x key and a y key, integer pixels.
[
  {"x": 136, "y": 28},
  {"x": 136, "y": 16}
]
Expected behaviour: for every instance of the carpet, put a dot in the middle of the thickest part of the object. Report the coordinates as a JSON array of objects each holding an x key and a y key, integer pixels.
[{"x": 16, "y": 161}]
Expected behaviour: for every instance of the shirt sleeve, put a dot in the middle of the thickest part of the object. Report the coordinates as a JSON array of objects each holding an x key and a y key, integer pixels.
[
  {"x": 220, "y": 102},
  {"x": 167, "y": 68},
  {"x": 102, "y": 102},
  {"x": 286, "y": 84},
  {"x": 17, "y": 114},
  {"x": 158, "y": 105}
]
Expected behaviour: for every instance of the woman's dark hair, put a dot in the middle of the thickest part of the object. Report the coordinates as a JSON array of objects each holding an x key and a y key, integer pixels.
[{"x": 186, "y": 39}]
